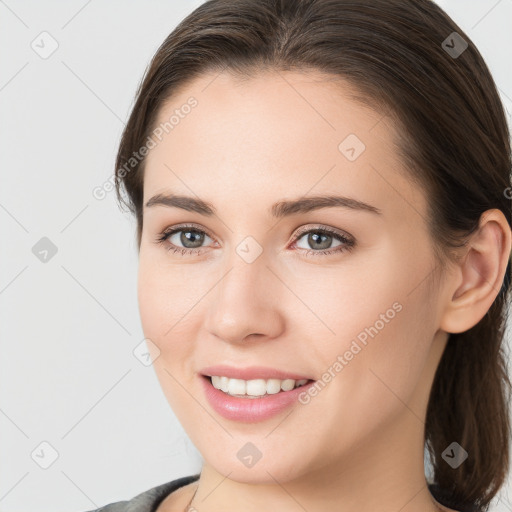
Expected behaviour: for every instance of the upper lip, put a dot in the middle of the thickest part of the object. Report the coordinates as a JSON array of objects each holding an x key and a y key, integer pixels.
[{"x": 251, "y": 373}]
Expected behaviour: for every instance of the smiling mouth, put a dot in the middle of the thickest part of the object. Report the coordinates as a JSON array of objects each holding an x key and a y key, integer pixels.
[{"x": 254, "y": 388}]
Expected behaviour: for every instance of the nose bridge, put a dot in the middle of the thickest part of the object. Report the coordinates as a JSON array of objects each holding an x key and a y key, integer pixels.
[{"x": 243, "y": 301}]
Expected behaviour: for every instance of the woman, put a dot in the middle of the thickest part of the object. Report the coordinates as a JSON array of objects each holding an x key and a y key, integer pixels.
[{"x": 322, "y": 195}]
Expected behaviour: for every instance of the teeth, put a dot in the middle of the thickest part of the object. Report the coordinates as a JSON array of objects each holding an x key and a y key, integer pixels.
[{"x": 255, "y": 387}]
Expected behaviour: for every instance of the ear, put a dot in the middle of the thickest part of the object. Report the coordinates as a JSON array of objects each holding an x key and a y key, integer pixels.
[{"x": 479, "y": 274}]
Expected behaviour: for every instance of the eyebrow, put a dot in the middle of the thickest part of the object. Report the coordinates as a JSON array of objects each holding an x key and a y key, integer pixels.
[{"x": 278, "y": 210}]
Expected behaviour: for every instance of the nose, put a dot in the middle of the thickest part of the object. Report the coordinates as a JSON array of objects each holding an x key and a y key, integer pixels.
[{"x": 246, "y": 303}]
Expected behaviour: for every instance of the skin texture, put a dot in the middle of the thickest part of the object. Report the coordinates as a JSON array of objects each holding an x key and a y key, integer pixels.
[{"x": 358, "y": 444}]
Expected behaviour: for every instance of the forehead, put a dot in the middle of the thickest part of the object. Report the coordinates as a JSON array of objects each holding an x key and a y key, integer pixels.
[{"x": 276, "y": 135}]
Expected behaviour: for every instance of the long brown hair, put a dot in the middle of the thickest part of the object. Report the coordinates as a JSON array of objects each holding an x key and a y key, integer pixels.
[{"x": 402, "y": 57}]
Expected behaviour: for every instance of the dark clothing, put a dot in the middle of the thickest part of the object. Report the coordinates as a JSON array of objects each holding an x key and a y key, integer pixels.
[{"x": 148, "y": 501}]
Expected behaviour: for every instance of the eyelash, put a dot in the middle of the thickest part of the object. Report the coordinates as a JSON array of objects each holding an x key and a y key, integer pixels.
[{"x": 349, "y": 243}]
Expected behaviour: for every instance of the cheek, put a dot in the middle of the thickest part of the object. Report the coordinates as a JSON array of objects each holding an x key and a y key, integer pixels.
[
  {"x": 152, "y": 302},
  {"x": 384, "y": 351},
  {"x": 163, "y": 307},
  {"x": 382, "y": 324},
  {"x": 164, "y": 322},
  {"x": 164, "y": 291}
]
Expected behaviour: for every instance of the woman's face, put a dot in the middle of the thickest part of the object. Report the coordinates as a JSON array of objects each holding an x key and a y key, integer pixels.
[{"x": 262, "y": 286}]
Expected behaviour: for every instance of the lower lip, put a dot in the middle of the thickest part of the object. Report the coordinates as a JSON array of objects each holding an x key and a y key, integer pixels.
[{"x": 250, "y": 410}]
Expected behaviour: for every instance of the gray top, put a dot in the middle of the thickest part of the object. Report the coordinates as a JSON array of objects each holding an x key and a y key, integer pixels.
[{"x": 148, "y": 501}]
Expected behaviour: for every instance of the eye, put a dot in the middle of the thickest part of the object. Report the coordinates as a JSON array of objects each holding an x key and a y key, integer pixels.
[
  {"x": 191, "y": 239},
  {"x": 321, "y": 239},
  {"x": 190, "y": 236}
]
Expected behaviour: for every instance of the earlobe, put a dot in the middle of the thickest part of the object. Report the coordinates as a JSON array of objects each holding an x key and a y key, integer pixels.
[{"x": 481, "y": 272}]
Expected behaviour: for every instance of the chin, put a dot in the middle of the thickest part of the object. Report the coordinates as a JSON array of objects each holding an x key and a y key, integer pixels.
[{"x": 263, "y": 472}]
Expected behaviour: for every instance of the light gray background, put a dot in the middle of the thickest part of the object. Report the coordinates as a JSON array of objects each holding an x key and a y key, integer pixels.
[{"x": 68, "y": 328}]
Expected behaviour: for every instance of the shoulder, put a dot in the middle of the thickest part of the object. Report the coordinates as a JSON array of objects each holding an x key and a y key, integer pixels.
[{"x": 147, "y": 501}]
